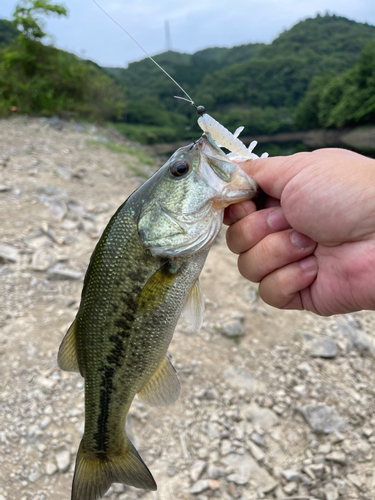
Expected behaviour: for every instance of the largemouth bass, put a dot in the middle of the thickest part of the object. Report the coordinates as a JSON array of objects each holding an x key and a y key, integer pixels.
[{"x": 142, "y": 275}]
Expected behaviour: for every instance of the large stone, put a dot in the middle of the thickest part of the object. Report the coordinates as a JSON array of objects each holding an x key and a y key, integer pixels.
[
  {"x": 323, "y": 347},
  {"x": 8, "y": 253},
  {"x": 60, "y": 272},
  {"x": 323, "y": 419},
  {"x": 245, "y": 468},
  {"x": 241, "y": 379},
  {"x": 63, "y": 458},
  {"x": 196, "y": 469},
  {"x": 262, "y": 417}
]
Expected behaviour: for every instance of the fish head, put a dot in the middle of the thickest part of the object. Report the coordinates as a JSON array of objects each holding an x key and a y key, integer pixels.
[{"x": 183, "y": 202}]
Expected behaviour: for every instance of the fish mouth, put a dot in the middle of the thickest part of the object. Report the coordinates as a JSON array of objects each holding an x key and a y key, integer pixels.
[{"x": 232, "y": 184}]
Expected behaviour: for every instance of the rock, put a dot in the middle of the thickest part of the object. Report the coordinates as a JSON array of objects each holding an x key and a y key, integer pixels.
[
  {"x": 63, "y": 460},
  {"x": 323, "y": 419},
  {"x": 361, "y": 451},
  {"x": 357, "y": 338},
  {"x": 196, "y": 469},
  {"x": 56, "y": 123},
  {"x": 262, "y": 417},
  {"x": 8, "y": 253},
  {"x": 65, "y": 173},
  {"x": 225, "y": 447},
  {"x": 45, "y": 422},
  {"x": 241, "y": 379},
  {"x": 51, "y": 468},
  {"x": 42, "y": 260},
  {"x": 46, "y": 383},
  {"x": 214, "y": 472},
  {"x": 323, "y": 347},
  {"x": 256, "y": 452},
  {"x": 291, "y": 488},
  {"x": 338, "y": 457},
  {"x": 245, "y": 468},
  {"x": 290, "y": 475},
  {"x": 56, "y": 206},
  {"x": 331, "y": 492},
  {"x": 200, "y": 486},
  {"x": 239, "y": 479},
  {"x": 34, "y": 475},
  {"x": 213, "y": 430},
  {"x": 232, "y": 328},
  {"x": 255, "y": 438},
  {"x": 4, "y": 188},
  {"x": 60, "y": 272},
  {"x": 355, "y": 480}
]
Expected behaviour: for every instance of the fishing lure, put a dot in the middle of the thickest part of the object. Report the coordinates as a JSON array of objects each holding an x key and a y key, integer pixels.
[{"x": 221, "y": 135}]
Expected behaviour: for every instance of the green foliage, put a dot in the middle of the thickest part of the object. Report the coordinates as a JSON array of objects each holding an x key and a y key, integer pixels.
[
  {"x": 262, "y": 87},
  {"x": 345, "y": 99},
  {"x": 7, "y": 32},
  {"x": 27, "y": 17},
  {"x": 39, "y": 79}
]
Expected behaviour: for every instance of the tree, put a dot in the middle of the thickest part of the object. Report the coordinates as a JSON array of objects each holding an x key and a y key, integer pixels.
[{"x": 27, "y": 17}]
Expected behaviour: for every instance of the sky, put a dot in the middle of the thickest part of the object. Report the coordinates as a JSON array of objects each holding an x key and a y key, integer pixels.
[{"x": 193, "y": 25}]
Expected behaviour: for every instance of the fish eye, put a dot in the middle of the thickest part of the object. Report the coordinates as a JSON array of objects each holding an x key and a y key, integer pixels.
[{"x": 179, "y": 168}]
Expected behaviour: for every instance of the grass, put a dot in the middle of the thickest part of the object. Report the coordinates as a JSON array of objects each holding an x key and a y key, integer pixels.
[{"x": 120, "y": 148}]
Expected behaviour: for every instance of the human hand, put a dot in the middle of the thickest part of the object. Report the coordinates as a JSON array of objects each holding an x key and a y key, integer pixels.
[{"x": 313, "y": 245}]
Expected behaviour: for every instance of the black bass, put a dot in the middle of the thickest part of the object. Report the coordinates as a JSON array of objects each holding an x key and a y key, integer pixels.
[{"x": 142, "y": 275}]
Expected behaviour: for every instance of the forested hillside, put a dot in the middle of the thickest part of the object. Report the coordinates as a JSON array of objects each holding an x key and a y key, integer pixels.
[{"x": 320, "y": 73}]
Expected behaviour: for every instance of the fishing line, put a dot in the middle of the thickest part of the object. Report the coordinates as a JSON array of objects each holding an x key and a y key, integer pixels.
[{"x": 148, "y": 55}]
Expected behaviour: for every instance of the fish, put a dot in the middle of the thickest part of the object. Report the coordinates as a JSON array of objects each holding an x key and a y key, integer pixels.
[{"x": 142, "y": 276}]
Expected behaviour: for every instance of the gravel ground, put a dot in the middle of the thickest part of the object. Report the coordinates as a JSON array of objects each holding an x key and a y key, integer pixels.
[{"x": 274, "y": 404}]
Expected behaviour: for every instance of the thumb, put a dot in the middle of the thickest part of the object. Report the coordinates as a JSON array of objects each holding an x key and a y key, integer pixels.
[{"x": 273, "y": 174}]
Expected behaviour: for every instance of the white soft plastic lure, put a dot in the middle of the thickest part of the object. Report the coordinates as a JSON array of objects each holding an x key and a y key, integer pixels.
[{"x": 222, "y": 136}]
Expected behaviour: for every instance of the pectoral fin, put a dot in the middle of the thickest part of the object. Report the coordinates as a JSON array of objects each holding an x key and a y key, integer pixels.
[
  {"x": 156, "y": 289},
  {"x": 163, "y": 388},
  {"x": 67, "y": 356},
  {"x": 193, "y": 309}
]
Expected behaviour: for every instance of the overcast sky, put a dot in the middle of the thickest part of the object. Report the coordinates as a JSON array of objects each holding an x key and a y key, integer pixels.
[{"x": 194, "y": 24}]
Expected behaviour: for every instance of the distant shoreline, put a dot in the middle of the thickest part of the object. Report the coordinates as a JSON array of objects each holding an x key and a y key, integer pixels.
[{"x": 358, "y": 138}]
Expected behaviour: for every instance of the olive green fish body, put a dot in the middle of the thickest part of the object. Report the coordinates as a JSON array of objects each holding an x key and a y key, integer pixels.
[{"x": 143, "y": 272}]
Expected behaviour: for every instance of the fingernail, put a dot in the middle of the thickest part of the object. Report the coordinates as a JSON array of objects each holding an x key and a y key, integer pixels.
[
  {"x": 309, "y": 264},
  {"x": 301, "y": 240},
  {"x": 277, "y": 221}
]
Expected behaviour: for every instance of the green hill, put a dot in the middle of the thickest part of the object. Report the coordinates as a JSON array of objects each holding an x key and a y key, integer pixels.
[
  {"x": 255, "y": 85},
  {"x": 7, "y": 32}
]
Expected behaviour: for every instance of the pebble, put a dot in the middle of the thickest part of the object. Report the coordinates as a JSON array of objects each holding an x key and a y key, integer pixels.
[
  {"x": 261, "y": 417},
  {"x": 60, "y": 272},
  {"x": 245, "y": 468},
  {"x": 42, "y": 260},
  {"x": 214, "y": 472},
  {"x": 338, "y": 457},
  {"x": 197, "y": 469},
  {"x": 46, "y": 383},
  {"x": 323, "y": 419},
  {"x": 8, "y": 253},
  {"x": 203, "y": 485},
  {"x": 240, "y": 379},
  {"x": 257, "y": 439},
  {"x": 331, "y": 492},
  {"x": 323, "y": 347},
  {"x": 290, "y": 475},
  {"x": 225, "y": 447},
  {"x": 257, "y": 453},
  {"x": 291, "y": 488},
  {"x": 232, "y": 328},
  {"x": 51, "y": 468},
  {"x": 63, "y": 460}
]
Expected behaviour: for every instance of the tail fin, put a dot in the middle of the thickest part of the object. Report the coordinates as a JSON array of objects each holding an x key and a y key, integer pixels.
[{"x": 94, "y": 474}]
